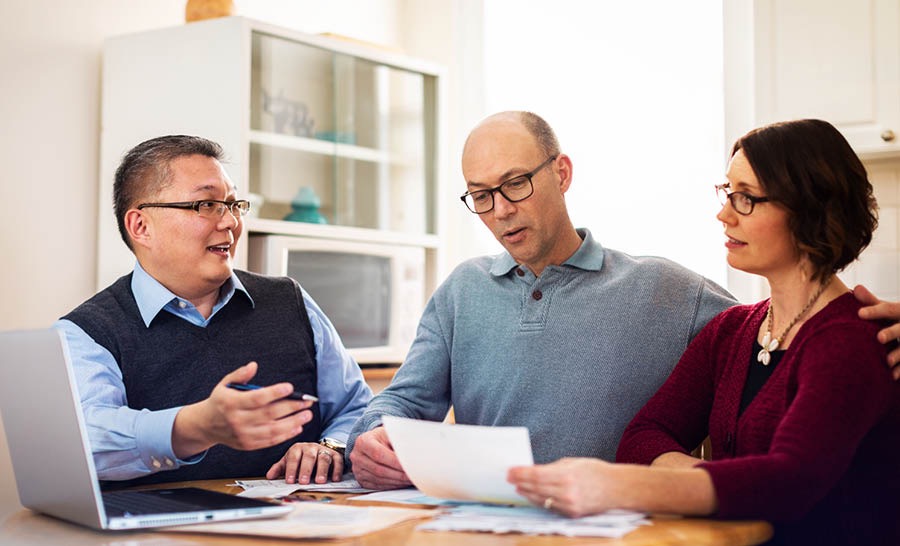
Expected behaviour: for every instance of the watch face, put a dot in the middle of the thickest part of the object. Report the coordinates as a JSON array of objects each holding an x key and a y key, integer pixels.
[{"x": 331, "y": 443}]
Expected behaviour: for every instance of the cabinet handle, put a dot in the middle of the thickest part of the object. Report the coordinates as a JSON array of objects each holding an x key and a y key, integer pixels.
[{"x": 888, "y": 136}]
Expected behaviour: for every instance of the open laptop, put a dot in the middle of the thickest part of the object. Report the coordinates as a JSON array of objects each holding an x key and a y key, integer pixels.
[{"x": 51, "y": 453}]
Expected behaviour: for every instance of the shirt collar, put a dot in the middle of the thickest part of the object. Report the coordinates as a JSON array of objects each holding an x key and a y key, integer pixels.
[
  {"x": 151, "y": 296},
  {"x": 589, "y": 256}
]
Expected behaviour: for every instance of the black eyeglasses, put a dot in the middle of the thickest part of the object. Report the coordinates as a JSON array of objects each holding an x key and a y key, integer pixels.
[
  {"x": 513, "y": 190},
  {"x": 208, "y": 208},
  {"x": 741, "y": 202}
]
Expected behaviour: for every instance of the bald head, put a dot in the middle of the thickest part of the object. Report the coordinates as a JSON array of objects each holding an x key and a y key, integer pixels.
[{"x": 535, "y": 125}]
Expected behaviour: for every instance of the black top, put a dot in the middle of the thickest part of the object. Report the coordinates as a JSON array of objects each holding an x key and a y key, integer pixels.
[{"x": 758, "y": 374}]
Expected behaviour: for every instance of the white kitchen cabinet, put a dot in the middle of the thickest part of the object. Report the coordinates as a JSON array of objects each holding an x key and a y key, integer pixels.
[
  {"x": 837, "y": 60},
  {"x": 356, "y": 124}
]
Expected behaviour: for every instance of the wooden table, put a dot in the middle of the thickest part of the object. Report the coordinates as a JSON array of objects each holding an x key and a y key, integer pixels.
[{"x": 24, "y": 527}]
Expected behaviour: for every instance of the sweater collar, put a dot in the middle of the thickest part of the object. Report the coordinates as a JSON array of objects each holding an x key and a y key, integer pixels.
[{"x": 588, "y": 257}]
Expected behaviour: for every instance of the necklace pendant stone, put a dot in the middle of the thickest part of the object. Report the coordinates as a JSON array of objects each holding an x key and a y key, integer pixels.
[{"x": 764, "y": 357}]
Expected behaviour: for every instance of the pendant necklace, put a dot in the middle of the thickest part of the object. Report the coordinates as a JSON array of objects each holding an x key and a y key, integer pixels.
[{"x": 769, "y": 344}]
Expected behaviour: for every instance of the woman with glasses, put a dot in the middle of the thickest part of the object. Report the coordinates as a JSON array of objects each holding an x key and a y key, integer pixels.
[{"x": 802, "y": 414}]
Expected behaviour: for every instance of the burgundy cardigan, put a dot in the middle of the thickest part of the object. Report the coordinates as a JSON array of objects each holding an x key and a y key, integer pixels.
[{"x": 817, "y": 451}]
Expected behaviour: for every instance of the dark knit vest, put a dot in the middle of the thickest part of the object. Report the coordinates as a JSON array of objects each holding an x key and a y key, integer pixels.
[{"x": 174, "y": 363}]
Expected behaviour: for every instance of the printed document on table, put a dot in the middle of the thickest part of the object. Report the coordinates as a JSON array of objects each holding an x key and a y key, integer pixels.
[
  {"x": 534, "y": 521},
  {"x": 460, "y": 462},
  {"x": 279, "y": 488},
  {"x": 313, "y": 520},
  {"x": 410, "y": 495}
]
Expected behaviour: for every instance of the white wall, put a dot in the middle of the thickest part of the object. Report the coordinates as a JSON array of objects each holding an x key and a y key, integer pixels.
[{"x": 634, "y": 91}]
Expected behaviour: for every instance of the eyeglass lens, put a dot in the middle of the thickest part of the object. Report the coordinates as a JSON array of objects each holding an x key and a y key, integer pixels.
[
  {"x": 216, "y": 209},
  {"x": 740, "y": 201},
  {"x": 513, "y": 191}
]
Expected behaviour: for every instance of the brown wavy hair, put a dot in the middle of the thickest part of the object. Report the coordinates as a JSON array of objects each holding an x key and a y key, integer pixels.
[{"x": 809, "y": 168}]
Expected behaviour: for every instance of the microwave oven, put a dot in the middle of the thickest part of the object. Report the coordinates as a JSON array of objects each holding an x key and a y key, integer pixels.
[{"x": 372, "y": 293}]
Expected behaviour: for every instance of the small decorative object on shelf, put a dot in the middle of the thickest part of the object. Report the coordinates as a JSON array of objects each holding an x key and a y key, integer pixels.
[
  {"x": 341, "y": 137},
  {"x": 290, "y": 117},
  {"x": 197, "y": 10},
  {"x": 306, "y": 207}
]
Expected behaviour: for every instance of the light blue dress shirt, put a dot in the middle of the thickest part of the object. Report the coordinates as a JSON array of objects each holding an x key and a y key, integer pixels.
[{"x": 129, "y": 443}]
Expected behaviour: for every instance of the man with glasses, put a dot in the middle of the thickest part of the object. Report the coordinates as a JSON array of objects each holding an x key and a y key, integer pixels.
[
  {"x": 156, "y": 352},
  {"x": 558, "y": 334}
]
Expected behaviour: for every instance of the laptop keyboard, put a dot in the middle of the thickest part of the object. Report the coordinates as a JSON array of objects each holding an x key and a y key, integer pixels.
[{"x": 119, "y": 503}]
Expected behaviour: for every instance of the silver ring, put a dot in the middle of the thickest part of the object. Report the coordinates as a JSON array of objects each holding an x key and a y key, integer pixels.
[{"x": 548, "y": 503}]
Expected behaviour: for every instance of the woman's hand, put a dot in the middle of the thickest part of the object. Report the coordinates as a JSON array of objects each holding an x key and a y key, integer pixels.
[
  {"x": 583, "y": 487},
  {"x": 574, "y": 487}
]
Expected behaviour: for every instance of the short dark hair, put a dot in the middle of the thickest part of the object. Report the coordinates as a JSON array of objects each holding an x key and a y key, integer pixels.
[
  {"x": 809, "y": 168},
  {"x": 542, "y": 132},
  {"x": 144, "y": 170}
]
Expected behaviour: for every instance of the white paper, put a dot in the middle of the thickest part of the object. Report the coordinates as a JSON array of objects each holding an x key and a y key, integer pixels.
[
  {"x": 313, "y": 520},
  {"x": 279, "y": 488},
  {"x": 535, "y": 521},
  {"x": 410, "y": 495},
  {"x": 460, "y": 462}
]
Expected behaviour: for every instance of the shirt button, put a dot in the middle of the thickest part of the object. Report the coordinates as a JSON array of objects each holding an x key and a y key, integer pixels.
[
  {"x": 519, "y": 272},
  {"x": 537, "y": 295},
  {"x": 155, "y": 463},
  {"x": 182, "y": 304},
  {"x": 169, "y": 462}
]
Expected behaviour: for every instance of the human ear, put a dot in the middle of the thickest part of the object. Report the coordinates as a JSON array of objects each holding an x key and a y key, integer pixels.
[
  {"x": 564, "y": 167},
  {"x": 138, "y": 226}
]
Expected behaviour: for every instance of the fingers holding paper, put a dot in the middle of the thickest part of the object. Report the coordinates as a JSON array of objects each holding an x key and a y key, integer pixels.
[
  {"x": 572, "y": 487},
  {"x": 375, "y": 465},
  {"x": 305, "y": 462}
]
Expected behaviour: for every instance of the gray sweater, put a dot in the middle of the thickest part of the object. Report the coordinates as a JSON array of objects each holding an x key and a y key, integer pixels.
[{"x": 572, "y": 354}]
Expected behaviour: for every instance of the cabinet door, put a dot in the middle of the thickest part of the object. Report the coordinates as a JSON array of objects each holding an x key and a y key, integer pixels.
[
  {"x": 344, "y": 133},
  {"x": 836, "y": 60}
]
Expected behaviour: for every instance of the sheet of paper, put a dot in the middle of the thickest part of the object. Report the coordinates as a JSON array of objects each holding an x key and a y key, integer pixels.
[
  {"x": 534, "y": 521},
  {"x": 409, "y": 495},
  {"x": 460, "y": 462},
  {"x": 314, "y": 520},
  {"x": 279, "y": 488}
]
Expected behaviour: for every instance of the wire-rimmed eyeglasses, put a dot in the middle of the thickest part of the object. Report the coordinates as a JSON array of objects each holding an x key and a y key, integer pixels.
[
  {"x": 208, "y": 208},
  {"x": 513, "y": 190},
  {"x": 741, "y": 202}
]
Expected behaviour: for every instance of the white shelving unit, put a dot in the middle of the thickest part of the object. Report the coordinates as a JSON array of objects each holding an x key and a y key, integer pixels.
[{"x": 357, "y": 124}]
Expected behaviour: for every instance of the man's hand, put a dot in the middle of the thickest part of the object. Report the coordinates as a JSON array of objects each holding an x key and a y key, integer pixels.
[
  {"x": 375, "y": 465},
  {"x": 298, "y": 463},
  {"x": 877, "y": 309},
  {"x": 240, "y": 420}
]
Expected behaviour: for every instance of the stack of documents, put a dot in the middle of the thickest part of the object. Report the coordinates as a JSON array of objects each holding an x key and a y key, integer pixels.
[{"x": 534, "y": 521}]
